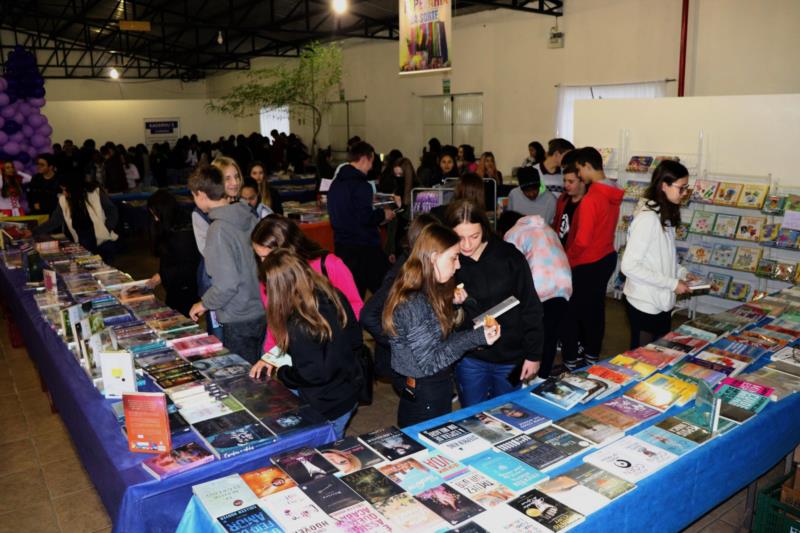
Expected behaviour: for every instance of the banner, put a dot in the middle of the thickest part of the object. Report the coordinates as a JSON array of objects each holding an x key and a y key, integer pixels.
[
  {"x": 425, "y": 35},
  {"x": 158, "y": 130}
]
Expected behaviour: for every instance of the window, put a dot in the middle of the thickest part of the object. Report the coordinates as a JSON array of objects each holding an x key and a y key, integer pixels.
[
  {"x": 274, "y": 118},
  {"x": 569, "y": 94},
  {"x": 454, "y": 119}
]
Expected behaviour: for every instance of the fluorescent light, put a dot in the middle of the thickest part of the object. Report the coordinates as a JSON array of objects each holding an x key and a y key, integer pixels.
[
  {"x": 339, "y": 6},
  {"x": 113, "y": 73}
]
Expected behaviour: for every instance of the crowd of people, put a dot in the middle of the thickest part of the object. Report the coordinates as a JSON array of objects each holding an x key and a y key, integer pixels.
[{"x": 420, "y": 290}]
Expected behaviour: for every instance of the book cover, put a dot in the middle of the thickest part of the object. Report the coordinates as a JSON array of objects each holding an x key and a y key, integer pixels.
[
  {"x": 747, "y": 258},
  {"x": 294, "y": 420},
  {"x": 505, "y": 469},
  {"x": 268, "y": 481},
  {"x": 177, "y": 461},
  {"x": 147, "y": 422},
  {"x": 590, "y": 429},
  {"x": 504, "y": 518},
  {"x": 753, "y": 196},
  {"x": 633, "y": 409},
  {"x": 559, "y": 393},
  {"x": 482, "y": 490},
  {"x": 689, "y": 371},
  {"x": 783, "y": 383},
  {"x": 593, "y": 387},
  {"x": 264, "y": 398},
  {"x": 652, "y": 357},
  {"x": 666, "y": 440},
  {"x": 611, "y": 417},
  {"x": 682, "y": 231},
  {"x": 330, "y": 494},
  {"x": 224, "y": 495},
  {"x": 411, "y": 475},
  {"x": 208, "y": 344},
  {"x": 639, "y": 163},
  {"x": 487, "y": 428},
  {"x": 442, "y": 465},
  {"x": 655, "y": 396},
  {"x": 372, "y": 485},
  {"x": 702, "y": 222},
  {"x": 700, "y": 253},
  {"x": 205, "y": 408},
  {"x": 787, "y": 238},
  {"x": 249, "y": 519},
  {"x": 349, "y": 455},
  {"x": 223, "y": 366},
  {"x": 294, "y": 511},
  {"x": 519, "y": 417},
  {"x": 722, "y": 255},
  {"x": 738, "y": 290},
  {"x": 641, "y": 368},
  {"x": 751, "y": 228},
  {"x": 404, "y": 513},
  {"x": 785, "y": 271},
  {"x": 728, "y": 193},
  {"x": 453, "y": 440},
  {"x": 685, "y": 429},
  {"x": 391, "y": 443},
  {"x": 118, "y": 371},
  {"x": 303, "y": 464},
  {"x": 742, "y": 398},
  {"x": 634, "y": 189},
  {"x": 609, "y": 374},
  {"x": 546, "y": 511},
  {"x": 630, "y": 459},
  {"x": 769, "y": 233},
  {"x": 704, "y": 191},
  {"x": 725, "y": 226},
  {"x": 360, "y": 518},
  {"x": 535, "y": 453},
  {"x": 449, "y": 504},
  {"x": 766, "y": 268},
  {"x": 233, "y": 433},
  {"x": 774, "y": 204}
]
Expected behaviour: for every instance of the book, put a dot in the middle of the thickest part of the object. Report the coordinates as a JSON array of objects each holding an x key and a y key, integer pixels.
[
  {"x": 330, "y": 493},
  {"x": 738, "y": 290},
  {"x": 391, "y": 443},
  {"x": 774, "y": 204},
  {"x": 593, "y": 387},
  {"x": 739, "y": 405},
  {"x": 147, "y": 422},
  {"x": 665, "y": 440},
  {"x": 753, "y": 196},
  {"x": 405, "y": 513},
  {"x": 452, "y": 506},
  {"x": 682, "y": 231},
  {"x": 224, "y": 495},
  {"x": 684, "y": 429},
  {"x": 349, "y": 455},
  {"x": 118, "y": 372},
  {"x": 608, "y": 374},
  {"x": 660, "y": 395},
  {"x": 496, "y": 311},
  {"x": 630, "y": 459},
  {"x": 633, "y": 409},
  {"x": 634, "y": 189},
  {"x": 766, "y": 268},
  {"x": 295, "y": 512},
  {"x": 722, "y": 255},
  {"x": 787, "y": 360},
  {"x": 559, "y": 393},
  {"x": 728, "y": 193},
  {"x": 267, "y": 398},
  {"x": 747, "y": 258},
  {"x": 639, "y": 163},
  {"x": 702, "y": 222},
  {"x": 372, "y": 485},
  {"x": 546, "y": 511},
  {"x": 704, "y": 191},
  {"x": 652, "y": 357},
  {"x": 442, "y": 465},
  {"x": 783, "y": 383},
  {"x": 787, "y": 238},
  {"x": 411, "y": 475},
  {"x": 535, "y": 453},
  {"x": 223, "y": 366},
  {"x": 750, "y": 228},
  {"x": 518, "y": 416},
  {"x": 785, "y": 271},
  {"x": 688, "y": 370},
  {"x": 454, "y": 441},
  {"x": 769, "y": 233},
  {"x": 700, "y": 253},
  {"x": 177, "y": 461},
  {"x": 640, "y": 367},
  {"x": 359, "y": 518},
  {"x": 504, "y": 518},
  {"x": 585, "y": 488},
  {"x": 201, "y": 345},
  {"x": 487, "y": 428},
  {"x": 267, "y": 481},
  {"x": 505, "y": 469},
  {"x": 482, "y": 490},
  {"x": 249, "y": 519},
  {"x": 725, "y": 225},
  {"x": 233, "y": 433},
  {"x": 303, "y": 464},
  {"x": 609, "y": 386},
  {"x": 586, "y": 427}
]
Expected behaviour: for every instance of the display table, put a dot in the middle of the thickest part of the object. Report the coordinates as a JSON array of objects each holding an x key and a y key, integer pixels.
[
  {"x": 134, "y": 500},
  {"x": 672, "y": 498}
]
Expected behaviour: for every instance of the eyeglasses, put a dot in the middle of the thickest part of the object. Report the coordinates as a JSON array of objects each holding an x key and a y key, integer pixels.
[{"x": 682, "y": 188}]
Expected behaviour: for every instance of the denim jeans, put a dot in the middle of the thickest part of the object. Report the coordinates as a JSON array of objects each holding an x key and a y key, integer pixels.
[
  {"x": 340, "y": 424},
  {"x": 480, "y": 380},
  {"x": 245, "y": 338}
]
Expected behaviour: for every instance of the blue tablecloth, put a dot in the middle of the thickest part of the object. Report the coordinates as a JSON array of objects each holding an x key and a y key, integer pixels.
[
  {"x": 134, "y": 500},
  {"x": 667, "y": 501}
]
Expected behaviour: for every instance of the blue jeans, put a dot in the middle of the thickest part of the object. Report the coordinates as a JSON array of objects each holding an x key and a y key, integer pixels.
[
  {"x": 480, "y": 380},
  {"x": 339, "y": 424}
]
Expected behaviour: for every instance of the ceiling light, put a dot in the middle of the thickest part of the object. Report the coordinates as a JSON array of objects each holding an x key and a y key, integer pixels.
[
  {"x": 339, "y": 6},
  {"x": 113, "y": 73},
  {"x": 220, "y": 38}
]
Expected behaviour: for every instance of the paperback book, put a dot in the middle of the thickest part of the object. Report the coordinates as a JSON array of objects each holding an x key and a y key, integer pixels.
[
  {"x": 700, "y": 253},
  {"x": 774, "y": 204},
  {"x": 702, "y": 222},
  {"x": 631, "y": 459},
  {"x": 391, "y": 443},
  {"x": 442, "y": 465},
  {"x": 295, "y": 420},
  {"x": 506, "y": 470},
  {"x": 224, "y": 495},
  {"x": 295, "y": 512},
  {"x": 303, "y": 464},
  {"x": 487, "y": 428},
  {"x": 725, "y": 226},
  {"x": 454, "y": 441},
  {"x": 177, "y": 461},
  {"x": 599, "y": 433},
  {"x": 559, "y": 393},
  {"x": 268, "y": 481},
  {"x": 722, "y": 255},
  {"x": 704, "y": 191},
  {"x": 667, "y": 441},
  {"x": 750, "y": 228},
  {"x": 728, "y": 193},
  {"x": 685, "y": 430},
  {"x": 753, "y": 196},
  {"x": 519, "y": 417},
  {"x": 234, "y": 433},
  {"x": 405, "y": 513},
  {"x": 586, "y": 488},
  {"x": 769, "y": 233},
  {"x": 482, "y": 490},
  {"x": 359, "y": 518},
  {"x": 452, "y": 506},
  {"x": 147, "y": 422},
  {"x": 330, "y": 494},
  {"x": 411, "y": 475},
  {"x": 546, "y": 511},
  {"x": 535, "y": 453},
  {"x": 250, "y": 519},
  {"x": 349, "y": 455},
  {"x": 372, "y": 485}
]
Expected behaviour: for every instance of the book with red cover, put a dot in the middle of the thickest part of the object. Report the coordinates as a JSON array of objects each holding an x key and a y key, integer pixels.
[
  {"x": 198, "y": 346},
  {"x": 147, "y": 422},
  {"x": 749, "y": 386}
]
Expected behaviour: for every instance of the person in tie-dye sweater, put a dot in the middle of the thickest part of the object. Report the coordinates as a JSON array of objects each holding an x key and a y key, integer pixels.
[{"x": 552, "y": 278}]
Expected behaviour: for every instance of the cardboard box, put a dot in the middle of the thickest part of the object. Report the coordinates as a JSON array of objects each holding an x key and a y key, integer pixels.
[{"x": 790, "y": 495}]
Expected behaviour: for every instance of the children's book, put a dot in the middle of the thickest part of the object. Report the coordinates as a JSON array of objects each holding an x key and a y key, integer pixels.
[
  {"x": 728, "y": 193},
  {"x": 725, "y": 225},
  {"x": 774, "y": 204},
  {"x": 722, "y": 255},
  {"x": 792, "y": 203},
  {"x": 700, "y": 253},
  {"x": 682, "y": 231},
  {"x": 702, "y": 222},
  {"x": 753, "y": 196},
  {"x": 661, "y": 158},
  {"x": 787, "y": 238},
  {"x": 704, "y": 191},
  {"x": 639, "y": 163},
  {"x": 750, "y": 228},
  {"x": 785, "y": 271},
  {"x": 766, "y": 268},
  {"x": 747, "y": 258},
  {"x": 634, "y": 189},
  {"x": 738, "y": 290},
  {"x": 769, "y": 233}
]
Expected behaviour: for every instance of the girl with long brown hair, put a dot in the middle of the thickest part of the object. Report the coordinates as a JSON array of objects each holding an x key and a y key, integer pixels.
[
  {"x": 420, "y": 318},
  {"x": 312, "y": 321}
]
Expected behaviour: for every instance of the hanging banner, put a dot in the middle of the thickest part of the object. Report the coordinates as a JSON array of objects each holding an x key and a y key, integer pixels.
[{"x": 425, "y": 35}]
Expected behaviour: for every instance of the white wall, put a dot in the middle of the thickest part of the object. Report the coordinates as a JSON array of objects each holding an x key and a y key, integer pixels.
[{"x": 746, "y": 135}]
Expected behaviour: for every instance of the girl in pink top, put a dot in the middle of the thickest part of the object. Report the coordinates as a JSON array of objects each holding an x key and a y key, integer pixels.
[{"x": 275, "y": 231}]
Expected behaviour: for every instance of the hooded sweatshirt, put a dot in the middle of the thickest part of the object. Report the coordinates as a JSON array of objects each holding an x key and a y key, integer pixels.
[
  {"x": 353, "y": 219},
  {"x": 650, "y": 262},
  {"x": 230, "y": 262},
  {"x": 592, "y": 236}
]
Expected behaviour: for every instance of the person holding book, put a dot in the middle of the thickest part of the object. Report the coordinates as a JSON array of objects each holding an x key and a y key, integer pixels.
[
  {"x": 493, "y": 270},
  {"x": 276, "y": 232},
  {"x": 420, "y": 321},
  {"x": 650, "y": 262},
  {"x": 314, "y": 322},
  {"x": 229, "y": 260},
  {"x": 592, "y": 257},
  {"x": 569, "y": 200}
]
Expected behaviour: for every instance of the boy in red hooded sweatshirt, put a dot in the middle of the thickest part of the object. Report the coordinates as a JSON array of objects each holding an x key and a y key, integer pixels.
[{"x": 592, "y": 257}]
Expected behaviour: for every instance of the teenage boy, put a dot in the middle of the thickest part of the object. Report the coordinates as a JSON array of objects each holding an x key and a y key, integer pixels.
[
  {"x": 234, "y": 292},
  {"x": 570, "y": 199},
  {"x": 44, "y": 187},
  {"x": 550, "y": 168},
  {"x": 355, "y": 221},
  {"x": 592, "y": 257},
  {"x": 531, "y": 198}
]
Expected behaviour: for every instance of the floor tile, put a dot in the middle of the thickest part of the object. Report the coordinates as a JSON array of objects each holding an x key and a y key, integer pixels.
[
  {"x": 16, "y": 456},
  {"x": 9, "y": 405},
  {"x": 55, "y": 446},
  {"x": 81, "y": 512},
  {"x": 65, "y": 477},
  {"x": 40, "y": 424},
  {"x": 15, "y": 427},
  {"x": 39, "y": 518},
  {"x": 22, "y": 490},
  {"x": 718, "y": 526}
]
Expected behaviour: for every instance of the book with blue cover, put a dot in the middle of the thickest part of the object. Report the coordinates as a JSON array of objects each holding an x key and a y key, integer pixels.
[
  {"x": 251, "y": 519},
  {"x": 559, "y": 393},
  {"x": 505, "y": 469},
  {"x": 666, "y": 440},
  {"x": 519, "y": 417},
  {"x": 411, "y": 475}
]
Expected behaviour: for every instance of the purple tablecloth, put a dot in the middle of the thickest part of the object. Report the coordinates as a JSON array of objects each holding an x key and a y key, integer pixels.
[{"x": 135, "y": 501}]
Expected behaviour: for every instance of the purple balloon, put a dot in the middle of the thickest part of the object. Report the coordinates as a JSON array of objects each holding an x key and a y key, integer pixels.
[
  {"x": 36, "y": 120},
  {"x": 7, "y": 112},
  {"x": 2, "y": 122},
  {"x": 4, "y": 99},
  {"x": 11, "y": 148},
  {"x": 19, "y": 117},
  {"x": 24, "y": 108},
  {"x": 36, "y": 102},
  {"x": 39, "y": 141},
  {"x": 17, "y": 137},
  {"x": 32, "y": 151},
  {"x": 3, "y": 138},
  {"x": 45, "y": 130},
  {"x": 19, "y": 166},
  {"x": 27, "y": 131}
]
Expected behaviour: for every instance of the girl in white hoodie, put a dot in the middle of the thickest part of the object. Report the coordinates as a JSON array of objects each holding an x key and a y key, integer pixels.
[{"x": 650, "y": 263}]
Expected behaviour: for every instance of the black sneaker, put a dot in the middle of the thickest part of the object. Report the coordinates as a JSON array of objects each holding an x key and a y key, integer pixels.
[
  {"x": 571, "y": 366},
  {"x": 591, "y": 359}
]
